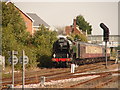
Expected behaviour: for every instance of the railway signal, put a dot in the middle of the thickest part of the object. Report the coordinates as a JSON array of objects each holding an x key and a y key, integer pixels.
[
  {"x": 106, "y": 38},
  {"x": 105, "y": 32},
  {"x": 13, "y": 60},
  {"x": 23, "y": 60}
]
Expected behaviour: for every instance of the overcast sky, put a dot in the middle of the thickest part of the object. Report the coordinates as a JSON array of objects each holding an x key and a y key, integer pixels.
[{"x": 62, "y": 13}]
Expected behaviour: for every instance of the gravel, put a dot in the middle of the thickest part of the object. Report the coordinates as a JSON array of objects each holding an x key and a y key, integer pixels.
[{"x": 48, "y": 84}]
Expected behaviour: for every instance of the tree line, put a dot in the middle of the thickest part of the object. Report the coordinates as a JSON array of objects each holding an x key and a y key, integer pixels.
[{"x": 15, "y": 37}]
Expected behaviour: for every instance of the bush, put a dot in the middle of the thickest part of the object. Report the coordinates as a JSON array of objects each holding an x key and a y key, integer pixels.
[{"x": 45, "y": 61}]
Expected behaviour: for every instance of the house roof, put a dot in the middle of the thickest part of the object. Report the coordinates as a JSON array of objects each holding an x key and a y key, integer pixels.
[
  {"x": 37, "y": 20},
  {"x": 9, "y": 2},
  {"x": 25, "y": 14}
]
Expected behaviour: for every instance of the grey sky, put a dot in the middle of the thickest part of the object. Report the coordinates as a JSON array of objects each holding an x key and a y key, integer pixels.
[{"x": 62, "y": 13}]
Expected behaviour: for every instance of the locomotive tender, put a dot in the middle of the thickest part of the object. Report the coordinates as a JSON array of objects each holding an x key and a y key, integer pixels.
[{"x": 64, "y": 53}]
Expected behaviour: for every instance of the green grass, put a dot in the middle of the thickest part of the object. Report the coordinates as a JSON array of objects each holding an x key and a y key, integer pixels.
[{"x": 6, "y": 75}]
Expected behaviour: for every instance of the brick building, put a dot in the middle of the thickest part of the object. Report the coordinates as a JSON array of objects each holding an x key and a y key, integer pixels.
[
  {"x": 28, "y": 21},
  {"x": 73, "y": 29},
  {"x": 32, "y": 21}
]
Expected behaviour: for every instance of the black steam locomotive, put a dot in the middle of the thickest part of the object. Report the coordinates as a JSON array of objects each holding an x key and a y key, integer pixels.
[
  {"x": 82, "y": 53},
  {"x": 61, "y": 52}
]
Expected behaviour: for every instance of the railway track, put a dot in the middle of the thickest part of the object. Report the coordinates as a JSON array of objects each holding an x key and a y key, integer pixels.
[
  {"x": 89, "y": 82},
  {"x": 100, "y": 75},
  {"x": 52, "y": 76},
  {"x": 30, "y": 78},
  {"x": 97, "y": 82},
  {"x": 100, "y": 85},
  {"x": 32, "y": 73}
]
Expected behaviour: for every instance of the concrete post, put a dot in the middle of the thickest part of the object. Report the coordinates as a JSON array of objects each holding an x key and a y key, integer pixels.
[
  {"x": 42, "y": 80},
  {"x": 72, "y": 68}
]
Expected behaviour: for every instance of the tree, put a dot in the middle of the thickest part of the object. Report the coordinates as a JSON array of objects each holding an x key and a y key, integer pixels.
[
  {"x": 14, "y": 35},
  {"x": 10, "y": 43},
  {"x": 78, "y": 37},
  {"x": 118, "y": 48},
  {"x": 11, "y": 16},
  {"x": 83, "y": 25},
  {"x": 43, "y": 40}
]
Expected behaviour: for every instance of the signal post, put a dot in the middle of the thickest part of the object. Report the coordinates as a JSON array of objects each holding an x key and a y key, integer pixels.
[
  {"x": 23, "y": 60},
  {"x": 13, "y": 60},
  {"x": 105, "y": 38}
]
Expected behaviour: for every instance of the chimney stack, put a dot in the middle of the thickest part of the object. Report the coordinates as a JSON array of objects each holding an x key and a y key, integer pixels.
[{"x": 74, "y": 24}]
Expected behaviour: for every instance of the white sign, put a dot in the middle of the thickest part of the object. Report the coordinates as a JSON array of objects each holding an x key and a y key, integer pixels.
[
  {"x": 25, "y": 59},
  {"x": 15, "y": 59}
]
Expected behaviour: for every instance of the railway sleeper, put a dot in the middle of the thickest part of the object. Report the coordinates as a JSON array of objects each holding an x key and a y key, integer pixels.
[{"x": 92, "y": 82}]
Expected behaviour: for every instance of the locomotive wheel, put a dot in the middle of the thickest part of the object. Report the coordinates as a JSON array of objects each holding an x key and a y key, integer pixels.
[
  {"x": 63, "y": 65},
  {"x": 55, "y": 64}
]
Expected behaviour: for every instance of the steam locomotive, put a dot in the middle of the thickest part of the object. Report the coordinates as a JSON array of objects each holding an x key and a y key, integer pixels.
[{"x": 66, "y": 52}]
